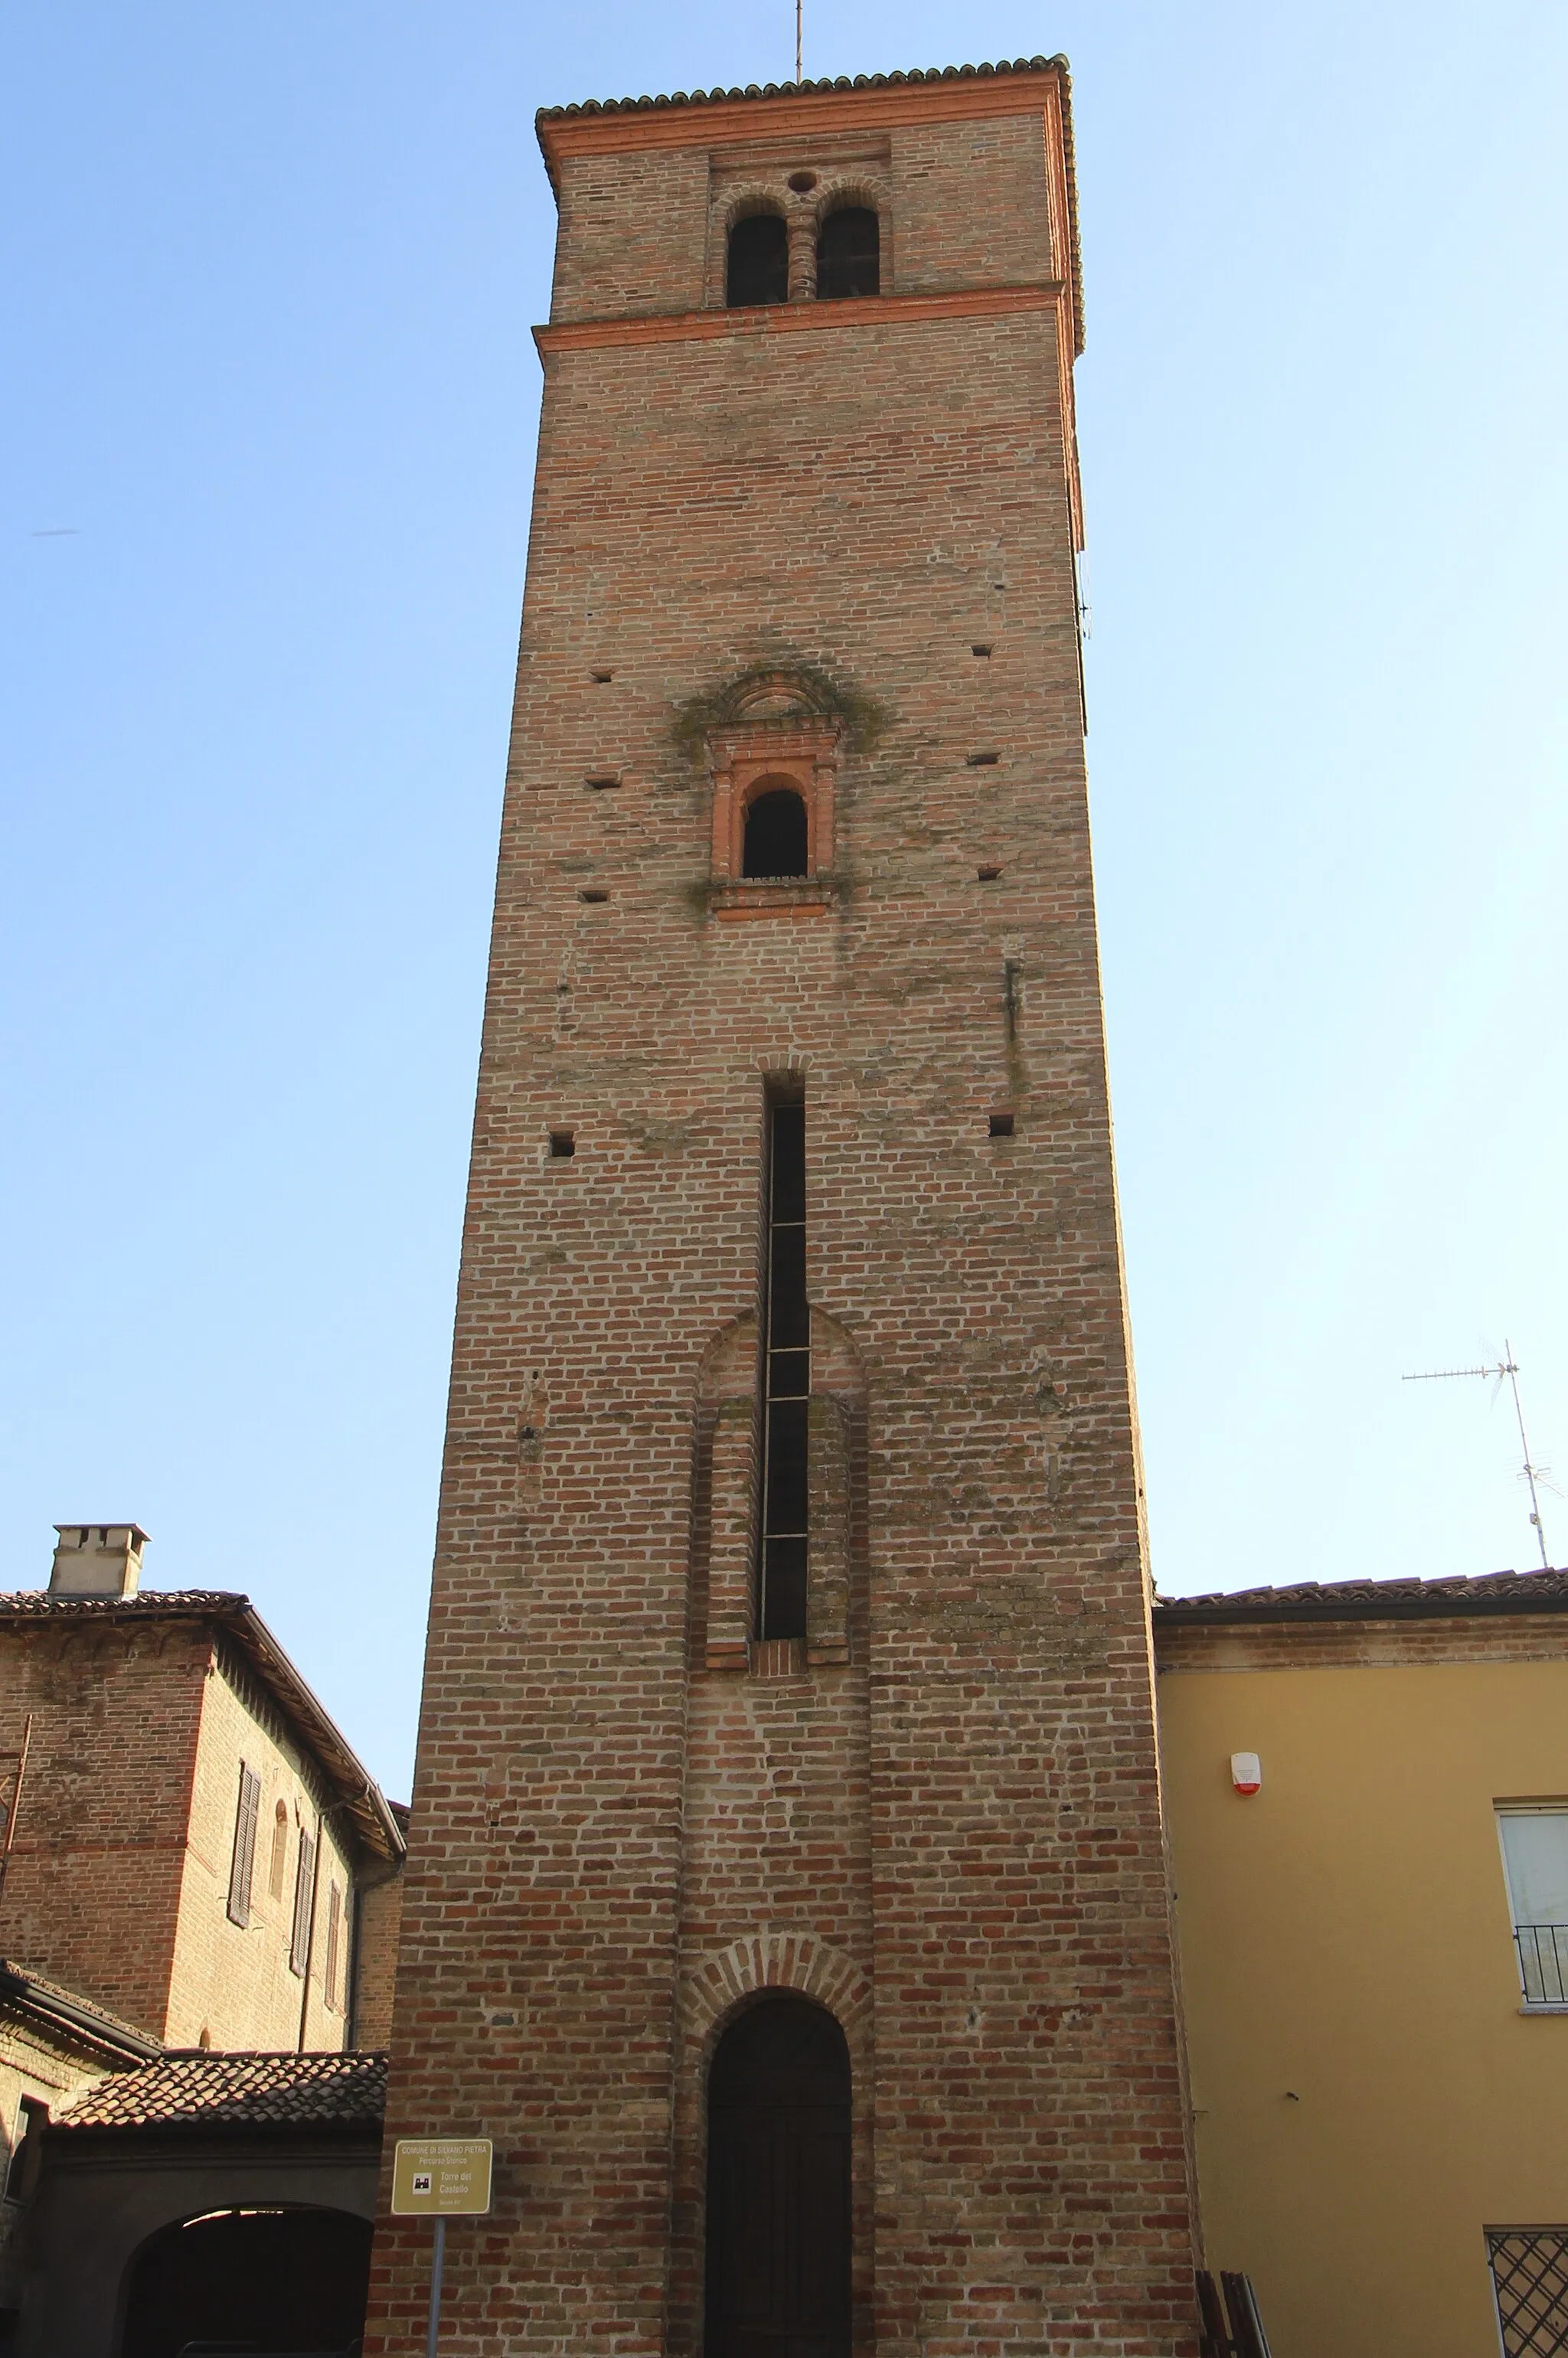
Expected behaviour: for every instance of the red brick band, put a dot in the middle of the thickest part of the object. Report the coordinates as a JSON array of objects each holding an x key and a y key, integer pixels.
[{"x": 786, "y": 318}]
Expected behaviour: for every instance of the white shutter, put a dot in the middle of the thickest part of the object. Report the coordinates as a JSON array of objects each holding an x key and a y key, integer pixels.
[{"x": 1535, "y": 1852}]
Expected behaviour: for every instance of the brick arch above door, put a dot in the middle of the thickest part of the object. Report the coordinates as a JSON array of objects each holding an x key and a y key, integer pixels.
[{"x": 781, "y": 1957}]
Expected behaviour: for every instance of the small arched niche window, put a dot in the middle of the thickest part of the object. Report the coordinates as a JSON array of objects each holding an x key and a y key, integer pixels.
[
  {"x": 849, "y": 253},
  {"x": 775, "y": 841},
  {"x": 756, "y": 268},
  {"x": 280, "y": 1851}
]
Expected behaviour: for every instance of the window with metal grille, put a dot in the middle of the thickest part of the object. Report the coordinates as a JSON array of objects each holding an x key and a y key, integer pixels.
[
  {"x": 849, "y": 253},
  {"x": 334, "y": 1941},
  {"x": 757, "y": 262},
  {"x": 1529, "y": 2285},
  {"x": 304, "y": 1904},
  {"x": 1535, "y": 1862},
  {"x": 786, "y": 1378},
  {"x": 242, "y": 1863}
]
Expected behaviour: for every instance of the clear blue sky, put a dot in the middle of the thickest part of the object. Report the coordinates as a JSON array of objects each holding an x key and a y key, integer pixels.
[{"x": 269, "y": 425}]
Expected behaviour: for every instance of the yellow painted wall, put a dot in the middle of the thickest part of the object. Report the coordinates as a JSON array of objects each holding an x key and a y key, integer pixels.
[{"x": 1346, "y": 1935}]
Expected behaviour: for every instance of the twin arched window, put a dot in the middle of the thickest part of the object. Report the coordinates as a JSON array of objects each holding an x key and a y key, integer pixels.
[
  {"x": 848, "y": 257},
  {"x": 757, "y": 263},
  {"x": 849, "y": 253}
]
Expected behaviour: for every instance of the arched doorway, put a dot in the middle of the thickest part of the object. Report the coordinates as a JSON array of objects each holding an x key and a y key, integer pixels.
[
  {"x": 778, "y": 2185},
  {"x": 262, "y": 2279}
]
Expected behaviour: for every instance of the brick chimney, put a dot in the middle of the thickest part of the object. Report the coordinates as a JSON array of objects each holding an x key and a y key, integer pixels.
[{"x": 97, "y": 1560}]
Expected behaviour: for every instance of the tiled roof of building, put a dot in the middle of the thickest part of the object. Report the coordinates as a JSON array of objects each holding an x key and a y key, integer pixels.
[
  {"x": 50, "y": 1604},
  {"x": 800, "y": 89},
  {"x": 1376, "y": 1600},
  {"x": 197, "y": 2090},
  {"x": 356, "y": 1790},
  {"x": 65, "y": 2010}
]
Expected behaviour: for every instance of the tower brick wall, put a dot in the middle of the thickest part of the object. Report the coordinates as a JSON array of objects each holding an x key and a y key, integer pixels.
[{"x": 849, "y": 523}]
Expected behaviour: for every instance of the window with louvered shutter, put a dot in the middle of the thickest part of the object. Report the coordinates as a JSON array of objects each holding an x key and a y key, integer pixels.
[
  {"x": 334, "y": 1941},
  {"x": 245, "y": 1857},
  {"x": 304, "y": 1896}
]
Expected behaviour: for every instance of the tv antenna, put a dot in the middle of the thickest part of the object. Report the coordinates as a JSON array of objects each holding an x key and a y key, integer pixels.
[{"x": 1506, "y": 1366}]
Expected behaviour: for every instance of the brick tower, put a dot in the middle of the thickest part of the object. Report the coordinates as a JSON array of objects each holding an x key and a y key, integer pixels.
[{"x": 786, "y": 1893}]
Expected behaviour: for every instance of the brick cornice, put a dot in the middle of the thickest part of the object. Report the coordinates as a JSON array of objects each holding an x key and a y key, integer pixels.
[
  {"x": 720, "y": 121},
  {"x": 791, "y": 319}
]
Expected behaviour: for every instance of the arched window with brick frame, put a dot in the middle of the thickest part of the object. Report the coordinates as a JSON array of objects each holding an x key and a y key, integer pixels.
[
  {"x": 756, "y": 261},
  {"x": 772, "y": 758},
  {"x": 776, "y": 838},
  {"x": 848, "y": 253}
]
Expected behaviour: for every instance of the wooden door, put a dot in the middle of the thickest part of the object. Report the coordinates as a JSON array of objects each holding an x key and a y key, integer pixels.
[{"x": 778, "y": 2185}]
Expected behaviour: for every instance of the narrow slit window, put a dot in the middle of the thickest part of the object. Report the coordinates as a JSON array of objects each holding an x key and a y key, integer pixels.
[{"x": 786, "y": 1380}]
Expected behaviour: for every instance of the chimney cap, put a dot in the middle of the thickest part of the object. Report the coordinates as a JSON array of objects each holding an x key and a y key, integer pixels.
[
  {"x": 97, "y": 1560},
  {"x": 134, "y": 1535}
]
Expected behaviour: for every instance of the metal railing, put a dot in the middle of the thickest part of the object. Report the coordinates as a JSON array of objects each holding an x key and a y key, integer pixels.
[{"x": 1542, "y": 1962}]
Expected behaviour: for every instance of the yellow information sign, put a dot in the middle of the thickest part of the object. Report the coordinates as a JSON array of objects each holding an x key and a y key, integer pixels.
[{"x": 441, "y": 2178}]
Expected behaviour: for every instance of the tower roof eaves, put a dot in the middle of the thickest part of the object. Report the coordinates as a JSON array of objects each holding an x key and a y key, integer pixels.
[{"x": 754, "y": 95}]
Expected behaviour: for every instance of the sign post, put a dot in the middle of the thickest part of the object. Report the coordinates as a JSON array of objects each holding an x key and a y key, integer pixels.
[{"x": 441, "y": 2178}]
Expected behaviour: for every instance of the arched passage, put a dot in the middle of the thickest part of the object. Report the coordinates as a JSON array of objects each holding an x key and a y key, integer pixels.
[
  {"x": 778, "y": 2275},
  {"x": 283, "y": 2279}
]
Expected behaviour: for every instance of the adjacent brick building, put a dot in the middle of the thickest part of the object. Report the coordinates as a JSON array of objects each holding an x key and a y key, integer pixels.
[
  {"x": 787, "y": 1892},
  {"x": 184, "y": 1830},
  {"x": 207, "y": 2201},
  {"x": 190, "y": 1858},
  {"x": 52, "y": 2044}
]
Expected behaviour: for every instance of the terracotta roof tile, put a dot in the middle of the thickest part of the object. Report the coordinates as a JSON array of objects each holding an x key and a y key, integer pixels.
[
  {"x": 800, "y": 89},
  {"x": 44, "y": 1605},
  {"x": 192, "y": 2089},
  {"x": 1375, "y": 1600},
  {"x": 36, "y": 1994}
]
